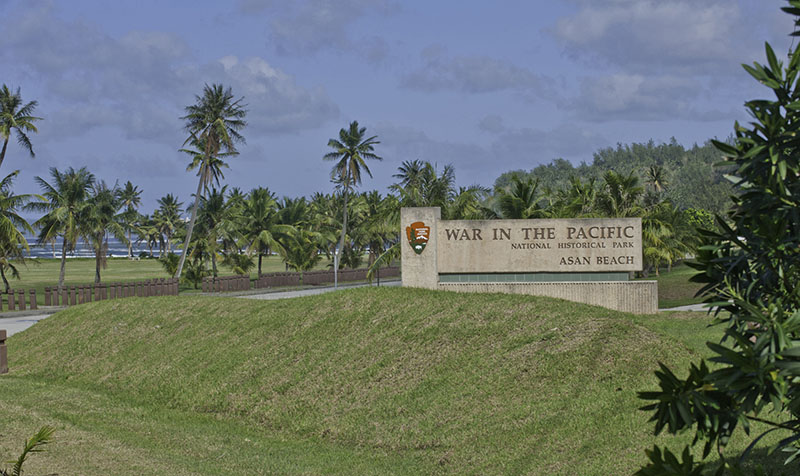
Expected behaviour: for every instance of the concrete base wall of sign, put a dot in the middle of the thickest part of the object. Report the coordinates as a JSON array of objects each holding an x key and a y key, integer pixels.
[{"x": 637, "y": 297}]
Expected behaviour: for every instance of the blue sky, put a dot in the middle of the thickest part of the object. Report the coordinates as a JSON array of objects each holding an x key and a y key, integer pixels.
[{"x": 486, "y": 86}]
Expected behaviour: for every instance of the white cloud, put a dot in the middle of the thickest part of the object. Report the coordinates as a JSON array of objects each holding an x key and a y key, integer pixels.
[
  {"x": 141, "y": 82},
  {"x": 642, "y": 35},
  {"x": 306, "y": 27},
  {"x": 473, "y": 74},
  {"x": 638, "y": 97}
]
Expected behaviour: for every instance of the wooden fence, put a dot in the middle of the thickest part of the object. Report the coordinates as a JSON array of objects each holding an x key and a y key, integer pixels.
[
  {"x": 242, "y": 282},
  {"x": 72, "y": 295},
  {"x": 16, "y": 298}
]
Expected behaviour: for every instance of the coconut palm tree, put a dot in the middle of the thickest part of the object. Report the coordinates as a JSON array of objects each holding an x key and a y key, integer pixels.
[
  {"x": 521, "y": 200},
  {"x": 421, "y": 186},
  {"x": 620, "y": 195},
  {"x": 217, "y": 221},
  {"x": 260, "y": 224},
  {"x": 578, "y": 200},
  {"x": 64, "y": 208},
  {"x": 147, "y": 233},
  {"x": 349, "y": 152},
  {"x": 12, "y": 240},
  {"x": 213, "y": 124},
  {"x": 325, "y": 217},
  {"x": 410, "y": 173},
  {"x": 99, "y": 218},
  {"x": 656, "y": 177},
  {"x": 467, "y": 204},
  {"x": 17, "y": 117},
  {"x": 168, "y": 218},
  {"x": 130, "y": 197}
]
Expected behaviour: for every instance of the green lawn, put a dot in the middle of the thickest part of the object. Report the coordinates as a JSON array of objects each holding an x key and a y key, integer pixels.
[
  {"x": 674, "y": 288},
  {"x": 364, "y": 381}
]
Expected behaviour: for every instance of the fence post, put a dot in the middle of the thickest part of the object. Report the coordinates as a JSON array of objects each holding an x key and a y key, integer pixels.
[
  {"x": 21, "y": 293},
  {"x": 72, "y": 297},
  {"x": 33, "y": 299},
  {"x": 81, "y": 297},
  {"x": 3, "y": 353},
  {"x": 47, "y": 299},
  {"x": 11, "y": 299},
  {"x": 64, "y": 301}
]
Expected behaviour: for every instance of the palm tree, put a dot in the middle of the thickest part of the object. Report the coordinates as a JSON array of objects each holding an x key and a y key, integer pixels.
[
  {"x": 213, "y": 124},
  {"x": 130, "y": 197},
  {"x": 578, "y": 200},
  {"x": 217, "y": 221},
  {"x": 301, "y": 251},
  {"x": 467, "y": 204},
  {"x": 410, "y": 173},
  {"x": 620, "y": 196},
  {"x": 66, "y": 202},
  {"x": 261, "y": 226},
  {"x": 12, "y": 240},
  {"x": 326, "y": 221},
  {"x": 521, "y": 200},
  {"x": 168, "y": 218},
  {"x": 349, "y": 151},
  {"x": 656, "y": 177},
  {"x": 99, "y": 218},
  {"x": 147, "y": 232},
  {"x": 18, "y": 117},
  {"x": 421, "y": 186}
]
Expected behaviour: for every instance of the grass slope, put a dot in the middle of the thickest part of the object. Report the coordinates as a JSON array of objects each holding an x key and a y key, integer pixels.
[{"x": 365, "y": 381}]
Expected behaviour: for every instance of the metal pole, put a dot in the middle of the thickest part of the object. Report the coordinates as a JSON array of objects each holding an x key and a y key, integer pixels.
[{"x": 335, "y": 269}]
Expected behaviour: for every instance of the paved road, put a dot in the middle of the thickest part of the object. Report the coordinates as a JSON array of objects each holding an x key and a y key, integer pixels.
[
  {"x": 309, "y": 292},
  {"x": 19, "y": 324}
]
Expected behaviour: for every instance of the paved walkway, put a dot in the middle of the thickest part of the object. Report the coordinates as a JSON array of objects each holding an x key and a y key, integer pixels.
[
  {"x": 690, "y": 307},
  {"x": 20, "y": 323},
  {"x": 310, "y": 292}
]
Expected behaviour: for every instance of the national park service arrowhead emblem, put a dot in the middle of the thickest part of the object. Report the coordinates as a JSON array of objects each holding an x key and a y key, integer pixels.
[{"x": 418, "y": 235}]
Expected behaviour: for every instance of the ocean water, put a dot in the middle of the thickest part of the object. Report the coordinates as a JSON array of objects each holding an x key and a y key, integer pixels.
[{"x": 116, "y": 249}]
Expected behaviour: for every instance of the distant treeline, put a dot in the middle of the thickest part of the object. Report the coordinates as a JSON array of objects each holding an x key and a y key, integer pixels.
[{"x": 690, "y": 178}]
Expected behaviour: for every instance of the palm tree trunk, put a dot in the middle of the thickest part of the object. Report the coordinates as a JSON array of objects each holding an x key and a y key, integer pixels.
[
  {"x": 130, "y": 248},
  {"x": 63, "y": 264},
  {"x": 259, "y": 264},
  {"x": 3, "y": 152},
  {"x": 98, "y": 259},
  {"x": 191, "y": 225},
  {"x": 214, "y": 262},
  {"x": 341, "y": 244},
  {"x": 5, "y": 281}
]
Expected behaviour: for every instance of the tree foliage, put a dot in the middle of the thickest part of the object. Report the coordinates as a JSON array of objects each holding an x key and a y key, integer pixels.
[
  {"x": 17, "y": 117},
  {"x": 751, "y": 273}
]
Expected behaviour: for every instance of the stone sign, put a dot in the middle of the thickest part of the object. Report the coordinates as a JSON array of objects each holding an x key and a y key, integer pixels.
[
  {"x": 552, "y": 245},
  {"x": 523, "y": 256}
]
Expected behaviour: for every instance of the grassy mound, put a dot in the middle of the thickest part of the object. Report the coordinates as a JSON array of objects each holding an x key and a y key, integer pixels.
[{"x": 451, "y": 383}]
